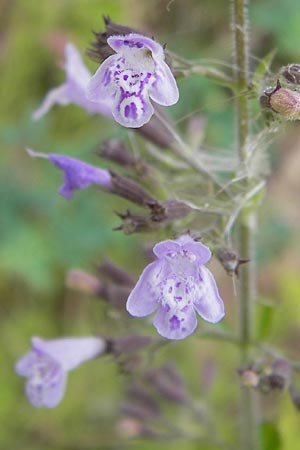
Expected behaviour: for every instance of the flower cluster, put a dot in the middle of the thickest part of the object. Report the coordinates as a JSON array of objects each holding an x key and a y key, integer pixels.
[{"x": 176, "y": 285}]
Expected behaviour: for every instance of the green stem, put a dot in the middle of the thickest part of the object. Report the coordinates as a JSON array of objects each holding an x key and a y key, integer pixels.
[{"x": 245, "y": 224}]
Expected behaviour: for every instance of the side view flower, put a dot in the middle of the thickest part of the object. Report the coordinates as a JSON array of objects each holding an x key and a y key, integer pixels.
[
  {"x": 177, "y": 285},
  {"x": 47, "y": 364},
  {"x": 73, "y": 90},
  {"x": 134, "y": 75},
  {"x": 77, "y": 174}
]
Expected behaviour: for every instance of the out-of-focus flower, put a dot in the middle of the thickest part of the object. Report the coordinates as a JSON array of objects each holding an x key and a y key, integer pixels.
[
  {"x": 73, "y": 90},
  {"x": 136, "y": 73},
  {"x": 47, "y": 364},
  {"x": 77, "y": 174},
  {"x": 178, "y": 285}
]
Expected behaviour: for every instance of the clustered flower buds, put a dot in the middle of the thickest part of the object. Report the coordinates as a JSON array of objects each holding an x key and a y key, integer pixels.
[{"x": 283, "y": 101}]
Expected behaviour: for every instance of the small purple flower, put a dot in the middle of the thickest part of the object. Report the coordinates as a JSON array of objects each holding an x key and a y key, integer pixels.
[
  {"x": 47, "y": 364},
  {"x": 77, "y": 174},
  {"x": 136, "y": 73},
  {"x": 73, "y": 90},
  {"x": 177, "y": 284}
]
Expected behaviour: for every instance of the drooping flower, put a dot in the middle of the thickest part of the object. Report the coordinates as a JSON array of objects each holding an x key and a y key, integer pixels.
[
  {"x": 77, "y": 174},
  {"x": 73, "y": 90},
  {"x": 177, "y": 285},
  {"x": 47, "y": 364},
  {"x": 134, "y": 75}
]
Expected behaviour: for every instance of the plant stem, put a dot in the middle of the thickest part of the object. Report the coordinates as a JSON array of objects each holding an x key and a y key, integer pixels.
[{"x": 249, "y": 439}]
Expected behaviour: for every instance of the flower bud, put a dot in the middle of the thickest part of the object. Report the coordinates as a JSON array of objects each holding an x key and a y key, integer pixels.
[
  {"x": 84, "y": 282},
  {"x": 249, "y": 377},
  {"x": 230, "y": 260},
  {"x": 130, "y": 190},
  {"x": 285, "y": 102},
  {"x": 116, "y": 273}
]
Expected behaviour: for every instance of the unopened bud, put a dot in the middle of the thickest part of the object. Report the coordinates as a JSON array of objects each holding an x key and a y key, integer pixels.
[
  {"x": 83, "y": 282},
  {"x": 169, "y": 210},
  {"x": 230, "y": 260},
  {"x": 129, "y": 344},
  {"x": 134, "y": 223},
  {"x": 116, "y": 273},
  {"x": 283, "y": 101},
  {"x": 271, "y": 382},
  {"x": 129, "y": 189}
]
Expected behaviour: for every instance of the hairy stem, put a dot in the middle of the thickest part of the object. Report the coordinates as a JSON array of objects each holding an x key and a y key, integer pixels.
[{"x": 245, "y": 224}]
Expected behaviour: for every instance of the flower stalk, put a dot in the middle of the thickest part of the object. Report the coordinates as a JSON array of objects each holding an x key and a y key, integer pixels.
[{"x": 246, "y": 221}]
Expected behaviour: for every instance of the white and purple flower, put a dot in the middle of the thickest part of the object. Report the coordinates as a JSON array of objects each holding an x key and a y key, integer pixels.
[
  {"x": 134, "y": 75},
  {"x": 177, "y": 285},
  {"x": 73, "y": 90},
  {"x": 47, "y": 364},
  {"x": 77, "y": 174}
]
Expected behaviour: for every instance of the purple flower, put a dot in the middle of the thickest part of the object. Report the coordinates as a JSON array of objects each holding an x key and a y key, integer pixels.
[
  {"x": 73, "y": 90},
  {"x": 136, "y": 73},
  {"x": 77, "y": 174},
  {"x": 47, "y": 364},
  {"x": 177, "y": 284}
]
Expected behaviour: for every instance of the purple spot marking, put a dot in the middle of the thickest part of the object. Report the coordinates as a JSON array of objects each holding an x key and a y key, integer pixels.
[
  {"x": 139, "y": 45},
  {"x": 174, "y": 323},
  {"x": 125, "y": 77}
]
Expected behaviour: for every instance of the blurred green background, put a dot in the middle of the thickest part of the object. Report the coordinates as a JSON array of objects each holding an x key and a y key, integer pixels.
[{"x": 42, "y": 235}]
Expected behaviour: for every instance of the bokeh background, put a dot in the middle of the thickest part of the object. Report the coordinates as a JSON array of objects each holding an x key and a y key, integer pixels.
[{"x": 42, "y": 235}]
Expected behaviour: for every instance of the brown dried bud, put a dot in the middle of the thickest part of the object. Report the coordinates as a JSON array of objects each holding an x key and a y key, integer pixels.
[
  {"x": 134, "y": 223},
  {"x": 271, "y": 382},
  {"x": 283, "y": 101},
  {"x": 115, "y": 150},
  {"x": 116, "y": 273},
  {"x": 130, "y": 190},
  {"x": 291, "y": 73},
  {"x": 169, "y": 210},
  {"x": 84, "y": 282},
  {"x": 129, "y": 344},
  {"x": 230, "y": 260},
  {"x": 115, "y": 295},
  {"x": 100, "y": 50}
]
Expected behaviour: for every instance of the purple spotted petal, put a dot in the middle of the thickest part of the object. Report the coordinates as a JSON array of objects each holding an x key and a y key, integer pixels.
[
  {"x": 133, "y": 110},
  {"x": 210, "y": 306},
  {"x": 70, "y": 352},
  {"x": 175, "y": 324},
  {"x": 49, "y": 390},
  {"x": 101, "y": 85},
  {"x": 143, "y": 300},
  {"x": 164, "y": 90},
  {"x": 136, "y": 41}
]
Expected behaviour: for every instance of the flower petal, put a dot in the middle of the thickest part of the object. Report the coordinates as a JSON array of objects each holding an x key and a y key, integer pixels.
[
  {"x": 144, "y": 298},
  {"x": 101, "y": 86},
  {"x": 210, "y": 306},
  {"x": 58, "y": 95},
  {"x": 46, "y": 393},
  {"x": 175, "y": 324},
  {"x": 23, "y": 366},
  {"x": 202, "y": 252},
  {"x": 166, "y": 247},
  {"x": 132, "y": 110},
  {"x": 70, "y": 352},
  {"x": 78, "y": 175},
  {"x": 164, "y": 90},
  {"x": 75, "y": 69},
  {"x": 135, "y": 40}
]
